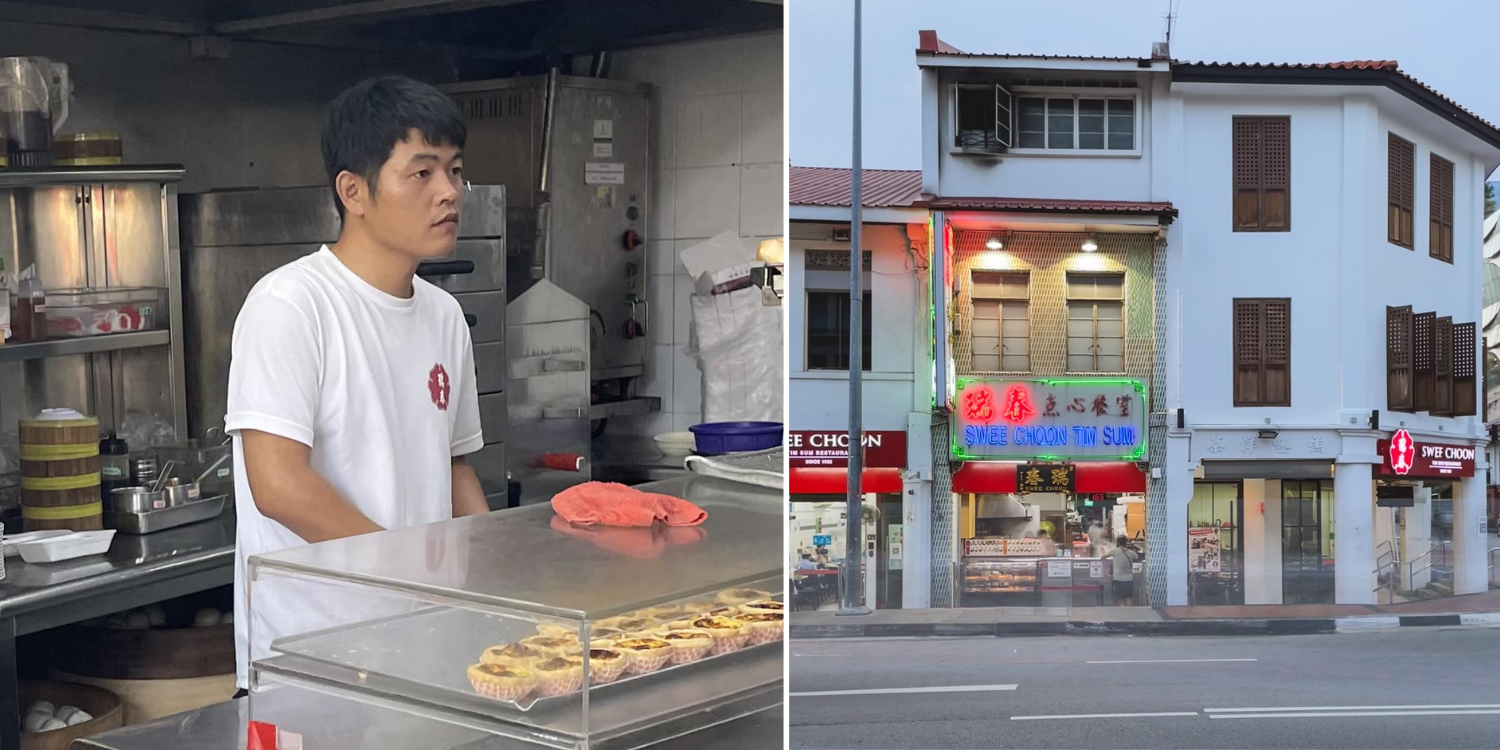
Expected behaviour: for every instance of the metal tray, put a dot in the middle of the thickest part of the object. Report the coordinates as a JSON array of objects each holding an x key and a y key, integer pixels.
[{"x": 167, "y": 518}]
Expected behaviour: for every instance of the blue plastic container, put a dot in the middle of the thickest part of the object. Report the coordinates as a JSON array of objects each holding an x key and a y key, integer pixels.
[{"x": 718, "y": 438}]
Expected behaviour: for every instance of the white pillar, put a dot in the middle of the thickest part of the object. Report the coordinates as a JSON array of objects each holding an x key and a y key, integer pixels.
[
  {"x": 1353, "y": 534},
  {"x": 1470, "y": 536},
  {"x": 1416, "y": 541},
  {"x": 916, "y": 556},
  {"x": 1262, "y": 541},
  {"x": 1179, "y": 475}
]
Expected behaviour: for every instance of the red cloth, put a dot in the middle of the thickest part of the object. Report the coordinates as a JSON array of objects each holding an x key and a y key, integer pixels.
[
  {"x": 642, "y": 542},
  {"x": 608, "y": 504},
  {"x": 261, "y": 736}
]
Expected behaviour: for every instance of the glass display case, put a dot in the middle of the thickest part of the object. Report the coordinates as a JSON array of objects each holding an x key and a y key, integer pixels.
[
  {"x": 1016, "y": 579},
  {"x": 483, "y": 621}
]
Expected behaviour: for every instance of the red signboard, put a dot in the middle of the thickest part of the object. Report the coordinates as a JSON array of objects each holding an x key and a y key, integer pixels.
[
  {"x": 1405, "y": 456},
  {"x": 830, "y": 448}
]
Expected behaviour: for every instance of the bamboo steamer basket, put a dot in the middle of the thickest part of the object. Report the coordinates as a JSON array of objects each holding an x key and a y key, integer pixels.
[
  {"x": 60, "y": 474},
  {"x": 103, "y": 705}
]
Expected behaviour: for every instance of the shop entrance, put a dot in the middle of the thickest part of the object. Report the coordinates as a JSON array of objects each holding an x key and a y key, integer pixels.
[
  {"x": 1306, "y": 543},
  {"x": 1216, "y": 543},
  {"x": 818, "y": 537}
]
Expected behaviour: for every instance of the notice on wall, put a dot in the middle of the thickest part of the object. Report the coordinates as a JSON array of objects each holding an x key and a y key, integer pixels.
[
  {"x": 1203, "y": 550},
  {"x": 1483, "y": 528},
  {"x": 604, "y": 129},
  {"x": 604, "y": 173},
  {"x": 1096, "y": 569},
  {"x": 894, "y": 539},
  {"x": 604, "y": 149},
  {"x": 1059, "y": 569}
]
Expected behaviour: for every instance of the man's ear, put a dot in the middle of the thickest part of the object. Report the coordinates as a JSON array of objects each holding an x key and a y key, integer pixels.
[{"x": 354, "y": 192}]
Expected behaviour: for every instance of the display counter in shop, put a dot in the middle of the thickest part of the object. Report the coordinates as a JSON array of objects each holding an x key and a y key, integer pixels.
[
  {"x": 999, "y": 572},
  {"x": 482, "y": 621}
]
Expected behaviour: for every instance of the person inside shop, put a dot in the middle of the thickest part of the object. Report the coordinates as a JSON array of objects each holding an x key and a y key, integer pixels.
[
  {"x": 1049, "y": 547},
  {"x": 352, "y": 400},
  {"x": 807, "y": 562},
  {"x": 1122, "y": 558},
  {"x": 820, "y": 557}
]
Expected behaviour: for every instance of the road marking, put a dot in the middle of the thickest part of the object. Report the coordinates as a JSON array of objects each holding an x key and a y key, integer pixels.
[
  {"x": 1284, "y": 709},
  {"x": 898, "y": 691},
  {"x": 1351, "y": 714},
  {"x": 1105, "y": 716},
  {"x": 1163, "y": 661}
]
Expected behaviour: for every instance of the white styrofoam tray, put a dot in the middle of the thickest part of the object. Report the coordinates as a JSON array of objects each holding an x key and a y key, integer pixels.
[
  {"x": 66, "y": 547},
  {"x": 30, "y": 536}
]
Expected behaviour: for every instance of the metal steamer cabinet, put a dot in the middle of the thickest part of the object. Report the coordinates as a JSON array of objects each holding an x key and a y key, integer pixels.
[{"x": 233, "y": 238}]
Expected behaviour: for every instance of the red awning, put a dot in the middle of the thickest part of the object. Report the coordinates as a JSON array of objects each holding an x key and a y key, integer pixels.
[
  {"x": 835, "y": 481},
  {"x": 1091, "y": 476}
]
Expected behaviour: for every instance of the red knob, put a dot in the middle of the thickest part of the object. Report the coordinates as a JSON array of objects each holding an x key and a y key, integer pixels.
[{"x": 631, "y": 240}]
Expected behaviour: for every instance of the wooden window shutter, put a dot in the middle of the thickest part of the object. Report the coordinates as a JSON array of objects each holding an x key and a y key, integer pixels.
[
  {"x": 1423, "y": 361},
  {"x": 1398, "y": 358},
  {"x": 1440, "y": 220},
  {"x": 1442, "y": 360},
  {"x": 1262, "y": 174},
  {"x": 1465, "y": 368},
  {"x": 1401, "y": 190},
  {"x": 1247, "y": 352},
  {"x": 1275, "y": 174},
  {"x": 1276, "y": 352}
]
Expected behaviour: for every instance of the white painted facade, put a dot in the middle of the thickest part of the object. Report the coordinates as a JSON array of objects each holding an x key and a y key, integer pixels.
[{"x": 1335, "y": 265}]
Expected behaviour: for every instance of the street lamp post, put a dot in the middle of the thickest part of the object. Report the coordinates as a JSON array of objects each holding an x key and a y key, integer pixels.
[{"x": 854, "y": 549}]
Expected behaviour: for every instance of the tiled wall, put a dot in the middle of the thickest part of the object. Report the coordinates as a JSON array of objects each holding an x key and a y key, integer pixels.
[{"x": 720, "y": 166}]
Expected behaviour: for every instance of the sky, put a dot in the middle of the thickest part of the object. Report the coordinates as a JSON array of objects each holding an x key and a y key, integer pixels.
[{"x": 1445, "y": 46}]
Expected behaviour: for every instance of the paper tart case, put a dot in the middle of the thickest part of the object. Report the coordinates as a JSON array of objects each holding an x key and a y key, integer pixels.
[
  {"x": 647, "y": 654},
  {"x": 502, "y": 682},
  {"x": 607, "y": 663},
  {"x": 729, "y": 634},
  {"x": 764, "y": 626},
  {"x": 559, "y": 675},
  {"x": 688, "y": 645}
]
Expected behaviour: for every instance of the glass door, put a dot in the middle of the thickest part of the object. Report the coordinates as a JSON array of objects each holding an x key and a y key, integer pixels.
[
  {"x": 1216, "y": 544},
  {"x": 1306, "y": 551},
  {"x": 889, "y": 552}
]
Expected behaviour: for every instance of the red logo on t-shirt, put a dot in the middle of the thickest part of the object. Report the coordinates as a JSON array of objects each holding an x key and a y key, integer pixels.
[{"x": 439, "y": 387}]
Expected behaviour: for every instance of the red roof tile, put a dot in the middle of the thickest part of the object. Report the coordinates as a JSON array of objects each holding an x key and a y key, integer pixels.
[
  {"x": 829, "y": 186},
  {"x": 1053, "y": 205}
]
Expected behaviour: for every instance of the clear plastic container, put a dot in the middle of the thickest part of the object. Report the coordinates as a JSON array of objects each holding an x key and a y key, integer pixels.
[{"x": 76, "y": 313}]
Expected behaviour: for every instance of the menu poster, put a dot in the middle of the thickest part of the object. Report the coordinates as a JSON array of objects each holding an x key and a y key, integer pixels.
[{"x": 1203, "y": 550}]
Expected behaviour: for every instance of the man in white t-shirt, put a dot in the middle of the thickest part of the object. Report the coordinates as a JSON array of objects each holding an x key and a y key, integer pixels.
[{"x": 352, "y": 399}]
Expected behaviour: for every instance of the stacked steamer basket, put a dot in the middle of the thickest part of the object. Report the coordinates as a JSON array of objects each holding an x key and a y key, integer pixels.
[{"x": 60, "y": 472}]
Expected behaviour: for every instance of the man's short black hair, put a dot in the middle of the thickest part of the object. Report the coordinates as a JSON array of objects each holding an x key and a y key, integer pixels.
[{"x": 365, "y": 123}]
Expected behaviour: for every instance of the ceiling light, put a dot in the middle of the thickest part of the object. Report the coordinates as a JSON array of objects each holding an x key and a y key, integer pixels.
[
  {"x": 994, "y": 243},
  {"x": 1089, "y": 245},
  {"x": 1267, "y": 434}
]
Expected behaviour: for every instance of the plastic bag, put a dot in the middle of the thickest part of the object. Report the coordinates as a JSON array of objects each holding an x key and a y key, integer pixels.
[
  {"x": 141, "y": 431},
  {"x": 737, "y": 342}
]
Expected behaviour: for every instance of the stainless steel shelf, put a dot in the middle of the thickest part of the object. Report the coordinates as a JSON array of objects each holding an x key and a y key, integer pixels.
[
  {"x": 87, "y": 345},
  {"x": 23, "y": 178},
  {"x": 646, "y": 405}
]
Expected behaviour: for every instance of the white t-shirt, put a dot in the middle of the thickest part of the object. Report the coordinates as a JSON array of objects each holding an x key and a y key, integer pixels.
[{"x": 380, "y": 388}]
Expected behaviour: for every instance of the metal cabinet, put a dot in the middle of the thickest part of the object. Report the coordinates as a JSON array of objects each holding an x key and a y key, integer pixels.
[
  {"x": 106, "y": 227},
  {"x": 233, "y": 238}
]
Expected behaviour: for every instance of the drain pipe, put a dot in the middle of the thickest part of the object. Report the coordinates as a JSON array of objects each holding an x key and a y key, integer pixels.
[
  {"x": 542, "y": 254},
  {"x": 600, "y": 67}
]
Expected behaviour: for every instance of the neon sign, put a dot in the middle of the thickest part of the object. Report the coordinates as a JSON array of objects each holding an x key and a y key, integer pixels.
[{"x": 1053, "y": 419}]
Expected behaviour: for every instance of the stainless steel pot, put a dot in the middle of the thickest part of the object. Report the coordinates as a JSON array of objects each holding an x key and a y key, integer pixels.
[
  {"x": 137, "y": 500},
  {"x": 180, "y": 492}
]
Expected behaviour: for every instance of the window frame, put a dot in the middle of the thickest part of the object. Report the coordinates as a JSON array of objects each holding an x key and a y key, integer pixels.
[
  {"x": 974, "y": 298},
  {"x": 866, "y": 351},
  {"x": 1261, "y": 187},
  {"x": 996, "y": 90},
  {"x": 1068, "y": 301},
  {"x": 1392, "y": 201},
  {"x": 1439, "y": 208},
  {"x": 951, "y": 129},
  {"x": 1261, "y": 362}
]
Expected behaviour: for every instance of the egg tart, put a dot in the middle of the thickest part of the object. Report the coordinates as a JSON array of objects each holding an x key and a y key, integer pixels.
[
  {"x": 502, "y": 682},
  {"x": 764, "y": 626},
  {"x": 517, "y": 654},
  {"x": 629, "y": 623},
  {"x": 688, "y": 645},
  {"x": 763, "y": 605},
  {"x": 549, "y": 646},
  {"x": 558, "y": 675},
  {"x": 736, "y": 597},
  {"x": 606, "y": 664},
  {"x": 647, "y": 654},
  {"x": 729, "y": 634},
  {"x": 549, "y": 630},
  {"x": 605, "y": 634},
  {"x": 666, "y": 613}
]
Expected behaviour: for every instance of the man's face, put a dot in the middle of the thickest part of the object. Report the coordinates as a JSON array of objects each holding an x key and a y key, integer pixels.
[{"x": 417, "y": 199}]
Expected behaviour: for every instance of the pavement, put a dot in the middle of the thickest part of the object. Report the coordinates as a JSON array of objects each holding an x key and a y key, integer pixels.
[
  {"x": 1481, "y": 609},
  {"x": 1404, "y": 688}
]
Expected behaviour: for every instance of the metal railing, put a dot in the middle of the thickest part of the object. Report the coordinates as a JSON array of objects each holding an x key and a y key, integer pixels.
[
  {"x": 1491, "y": 556},
  {"x": 1393, "y": 565},
  {"x": 1411, "y": 569}
]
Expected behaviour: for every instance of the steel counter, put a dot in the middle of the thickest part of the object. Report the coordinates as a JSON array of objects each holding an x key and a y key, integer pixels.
[{"x": 137, "y": 570}]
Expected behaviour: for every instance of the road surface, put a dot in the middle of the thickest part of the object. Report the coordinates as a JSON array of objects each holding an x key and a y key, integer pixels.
[{"x": 1404, "y": 688}]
